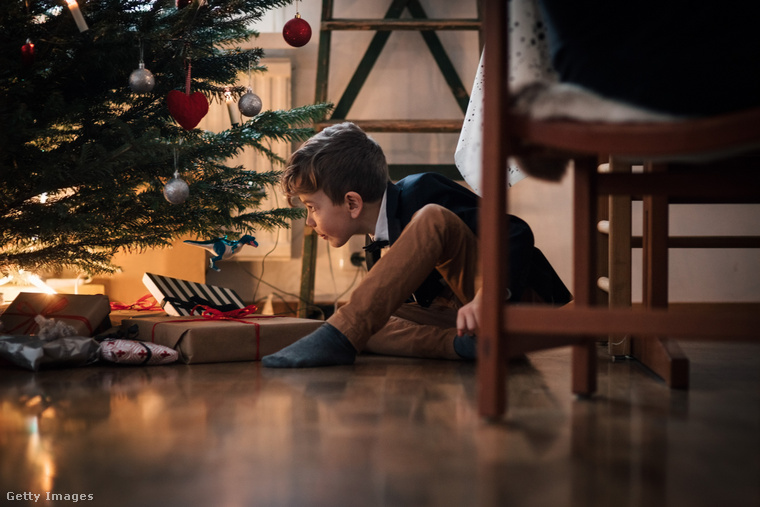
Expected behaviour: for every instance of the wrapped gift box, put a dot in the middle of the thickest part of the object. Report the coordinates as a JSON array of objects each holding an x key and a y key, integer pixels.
[
  {"x": 118, "y": 316},
  {"x": 34, "y": 353},
  {"x": 179, "y": 297},
  {"x": 202, "y": 340},
  {"x": 88, "y": 314}
]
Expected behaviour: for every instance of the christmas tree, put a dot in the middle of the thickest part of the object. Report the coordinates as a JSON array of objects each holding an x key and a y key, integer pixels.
[{"x": 92, "y": 159}]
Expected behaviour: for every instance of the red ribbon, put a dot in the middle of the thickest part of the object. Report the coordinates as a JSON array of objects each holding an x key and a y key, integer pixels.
[
  {"x": 147, "y": 303},
  {"x": 187, "y": 78},
  {"x": 25, "y": 309},
  {"x": 208, "y": 313}
]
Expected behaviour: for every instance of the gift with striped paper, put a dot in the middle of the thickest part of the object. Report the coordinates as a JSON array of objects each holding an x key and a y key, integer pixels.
[{"x": 180, "y": 297}]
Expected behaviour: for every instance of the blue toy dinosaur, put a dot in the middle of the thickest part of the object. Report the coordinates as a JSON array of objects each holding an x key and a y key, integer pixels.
[{"x": 223, "y": 248}]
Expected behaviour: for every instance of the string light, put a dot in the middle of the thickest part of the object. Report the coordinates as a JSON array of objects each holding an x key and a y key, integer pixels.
[
  {"x": 233, "y": 110},
  {"x": 78, "y": 18}
]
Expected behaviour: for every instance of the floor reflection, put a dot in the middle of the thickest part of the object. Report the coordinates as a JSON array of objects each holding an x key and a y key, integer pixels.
[{"x": 385, "y": 431}]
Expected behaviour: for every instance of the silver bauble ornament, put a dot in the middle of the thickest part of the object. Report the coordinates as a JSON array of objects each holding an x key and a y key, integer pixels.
[
  {"x": 250, "y": 104},
  {"x": 176, "y": 191},
  {"x": 141, "y": 80}
]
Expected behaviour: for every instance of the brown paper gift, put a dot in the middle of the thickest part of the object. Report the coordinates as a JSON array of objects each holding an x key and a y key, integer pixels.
[
  {"x": 202, "y": 340},
  {"x": 87, "y": 313},
  {"x": 119, "y": 316}
]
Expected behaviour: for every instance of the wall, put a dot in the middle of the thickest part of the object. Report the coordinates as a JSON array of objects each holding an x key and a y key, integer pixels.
[{"x": 708, "y": 274}]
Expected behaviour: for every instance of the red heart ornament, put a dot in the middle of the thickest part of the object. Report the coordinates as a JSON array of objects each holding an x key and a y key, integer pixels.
[{"x": 188, "y": 110}]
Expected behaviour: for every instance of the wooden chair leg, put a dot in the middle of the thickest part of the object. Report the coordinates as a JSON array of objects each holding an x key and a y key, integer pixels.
[
  {"x": 584, "y": 369},
  {"x": 660, "y": 354},
  {"x": 492, "y": 377},
  {"x": 492, "y": 340},
  {"x": 492, "y": 368},
  {"x": 585, "y": 200}
]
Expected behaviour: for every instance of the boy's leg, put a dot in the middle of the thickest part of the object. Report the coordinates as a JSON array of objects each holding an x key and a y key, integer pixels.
[
  {"x": 416, "y": 331},
  {"x": 406, "y": 338},
  {"x": 435, "y": 238}
]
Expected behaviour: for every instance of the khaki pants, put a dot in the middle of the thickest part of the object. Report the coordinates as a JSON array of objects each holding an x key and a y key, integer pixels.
[{"x": 376, "y": 319}]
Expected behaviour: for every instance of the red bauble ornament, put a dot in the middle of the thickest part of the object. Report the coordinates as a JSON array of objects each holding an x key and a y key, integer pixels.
[
  {"x": 296, "y": 32},
  {"x": 182, "y": 3},
  {"x": 27, "y": 53},
  {"x": 187, "y": 109}
]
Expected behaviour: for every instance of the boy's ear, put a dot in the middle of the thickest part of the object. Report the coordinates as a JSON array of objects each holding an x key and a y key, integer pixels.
[{"x": 354, "y": 203}]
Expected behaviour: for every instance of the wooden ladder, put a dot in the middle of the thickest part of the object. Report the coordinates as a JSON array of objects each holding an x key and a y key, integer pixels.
[{"x": 383, "y": 28}]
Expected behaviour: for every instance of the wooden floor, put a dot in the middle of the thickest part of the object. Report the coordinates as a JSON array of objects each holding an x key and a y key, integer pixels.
[{"x": 385, "y": 432}]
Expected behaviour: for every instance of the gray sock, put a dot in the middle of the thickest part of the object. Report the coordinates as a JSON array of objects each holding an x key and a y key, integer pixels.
[
  {"x": 325, "y": 346},
  {"x": 466, "y": 346}
]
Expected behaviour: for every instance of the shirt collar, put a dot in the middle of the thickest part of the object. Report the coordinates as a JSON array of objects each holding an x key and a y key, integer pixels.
[{"x": 381, "y": 227}]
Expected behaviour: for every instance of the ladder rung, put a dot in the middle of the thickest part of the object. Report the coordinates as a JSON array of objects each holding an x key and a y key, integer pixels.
[
  {"x": 401, "y": 24},
  {"x": 426, "y": 126}
]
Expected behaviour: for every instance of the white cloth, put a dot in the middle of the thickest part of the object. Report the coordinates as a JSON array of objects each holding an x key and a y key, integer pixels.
[
  {"x": 468, "y": 156},
  {"x": 529, "y": 62}
]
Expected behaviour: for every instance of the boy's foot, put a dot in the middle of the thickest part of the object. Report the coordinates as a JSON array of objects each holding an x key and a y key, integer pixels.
[
  {"x": 326, "y": 346},
  {"x": 466, "y": 346}
]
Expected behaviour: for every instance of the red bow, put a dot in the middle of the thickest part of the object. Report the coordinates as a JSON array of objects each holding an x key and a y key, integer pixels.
[
  {"x": 208, "y": 312},
  {"x": 146, "y": 303}
]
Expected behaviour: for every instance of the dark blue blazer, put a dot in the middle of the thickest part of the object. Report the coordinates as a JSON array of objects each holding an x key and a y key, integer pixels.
[{"x": 408, "y": 195}]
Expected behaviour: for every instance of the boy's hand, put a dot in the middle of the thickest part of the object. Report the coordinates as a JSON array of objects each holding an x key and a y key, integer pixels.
[{"x": 468, "y": 317}]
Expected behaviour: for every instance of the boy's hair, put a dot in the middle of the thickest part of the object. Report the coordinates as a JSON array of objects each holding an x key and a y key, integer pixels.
[{"x": 339, "y": 159}]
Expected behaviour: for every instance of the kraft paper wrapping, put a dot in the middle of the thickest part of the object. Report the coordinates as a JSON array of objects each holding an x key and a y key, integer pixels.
[
  {"x": 87, "y": 314},
  {"x": 201, "y": 340}
]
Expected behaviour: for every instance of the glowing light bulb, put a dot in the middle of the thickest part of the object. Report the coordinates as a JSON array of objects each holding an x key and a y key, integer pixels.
[
  {"x": 233, "y": 110},
  {"x": 78, "y": 18}
]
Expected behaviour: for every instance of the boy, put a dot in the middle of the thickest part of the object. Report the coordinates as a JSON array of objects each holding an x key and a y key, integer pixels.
[{"x": 430, "y": 223}]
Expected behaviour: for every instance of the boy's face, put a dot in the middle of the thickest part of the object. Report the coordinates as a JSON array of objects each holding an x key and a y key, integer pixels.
[{"x": 334, "y": 223}]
